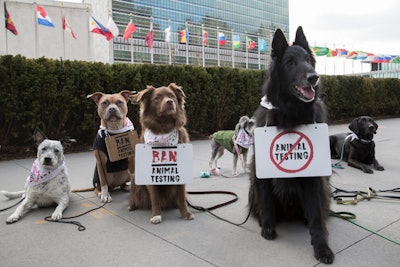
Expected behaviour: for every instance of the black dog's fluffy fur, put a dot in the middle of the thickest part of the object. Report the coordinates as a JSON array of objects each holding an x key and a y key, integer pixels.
[
  {"x": 292, "y": 89},
  {"x": 358, "y": 150}
]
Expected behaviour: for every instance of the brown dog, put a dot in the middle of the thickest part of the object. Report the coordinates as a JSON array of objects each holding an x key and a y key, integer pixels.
[
  {"x": 112, "y": 110},
  {"x": 162, "y": 117}
]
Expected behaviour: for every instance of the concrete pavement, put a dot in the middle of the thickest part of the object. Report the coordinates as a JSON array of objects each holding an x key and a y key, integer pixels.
[{"x": 115, "y": 236}]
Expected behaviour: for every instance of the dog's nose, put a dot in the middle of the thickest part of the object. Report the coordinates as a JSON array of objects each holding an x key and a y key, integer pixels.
[
  {"x": 47, "y": 161},
  {"x": 312, "y": 78},
  {"x": 112, "y": 109}
]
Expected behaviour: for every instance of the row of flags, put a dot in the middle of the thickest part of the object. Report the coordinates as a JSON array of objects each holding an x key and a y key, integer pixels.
[
  {"x": 356, "y": 55},
  {"x": 110, "y": 30}
]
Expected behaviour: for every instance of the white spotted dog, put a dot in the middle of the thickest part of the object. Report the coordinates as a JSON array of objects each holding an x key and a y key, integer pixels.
[
  {"x": 48, "y": 182},
  {"x": 235, "y": 141}
]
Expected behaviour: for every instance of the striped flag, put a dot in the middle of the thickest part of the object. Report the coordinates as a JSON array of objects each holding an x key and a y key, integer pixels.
[
  {"x": 43, "y": 18},
  {"x": 67, "y": 27}
]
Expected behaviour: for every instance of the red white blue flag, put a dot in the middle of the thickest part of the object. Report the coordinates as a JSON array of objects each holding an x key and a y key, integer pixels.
[{"x": 43, "y": 18}]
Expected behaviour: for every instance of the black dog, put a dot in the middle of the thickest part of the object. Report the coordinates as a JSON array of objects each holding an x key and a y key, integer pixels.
[
  {"x": 290, "y": 99},
  {"x": 357, "y": 148}
]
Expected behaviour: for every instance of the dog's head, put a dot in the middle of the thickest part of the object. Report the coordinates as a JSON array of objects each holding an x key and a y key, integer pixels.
[
  {"x": 247, "y": 124},
  {"x": 112, "y": 108},
  {"x": 364, "y": 127},
  {"x": 162, "y": 105},
  {"x": 49, "y": 152},
  {"x": 293, "y": 68}
]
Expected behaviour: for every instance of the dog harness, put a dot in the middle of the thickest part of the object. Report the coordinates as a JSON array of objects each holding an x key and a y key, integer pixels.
[
  {"x": 168, "y": 139},
  {"x": 100, "y": 144},
  {"x": 40, "y": 175}
]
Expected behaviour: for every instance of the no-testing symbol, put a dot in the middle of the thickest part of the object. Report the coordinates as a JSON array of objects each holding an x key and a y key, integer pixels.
[{"x": 291, "y": 157}]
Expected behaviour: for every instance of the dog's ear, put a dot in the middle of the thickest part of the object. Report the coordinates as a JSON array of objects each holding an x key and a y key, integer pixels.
[
  {"x": 67, "y": 142},
  {"x": 243, "y": 119},
  {"x": 279, "y": 44},
  {"x": 141, "y": 96},
  {"x": 38, "y": 136},
  {"x": 95, "y": 96},
  {"x": 126, "y": 94},
  {"x": 301, "y": 40},
  {"x": 354, "y": 126},
  {"x": 178, "y": 91}
]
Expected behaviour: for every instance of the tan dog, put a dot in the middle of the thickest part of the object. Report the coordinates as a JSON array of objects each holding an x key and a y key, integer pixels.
[
  {"x": 162, "y": 117},
  {"x": 112, "y": 110}
]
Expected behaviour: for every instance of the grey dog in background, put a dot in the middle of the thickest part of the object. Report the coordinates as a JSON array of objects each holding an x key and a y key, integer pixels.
[
  {"x": 357, "y": 147},
  {"x": 222, "y": 140}
]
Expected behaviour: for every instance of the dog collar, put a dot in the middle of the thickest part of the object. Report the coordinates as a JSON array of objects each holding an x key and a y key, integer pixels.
[
  {"x": 40, "y": 175},
  {"x": 128, "y": 126},
  {"x": 168, "y": 139},
  {"x": 266, "y": 104},
  {"x": 353, "y": 137}
]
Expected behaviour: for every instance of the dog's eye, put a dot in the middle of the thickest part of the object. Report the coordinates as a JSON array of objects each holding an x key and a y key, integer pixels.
[
  {"x": 104, "y": 103},
  {"x": 119, "y": 102},
  {"x": 44, "y": 149},
  {"x": 290, "y": 62},
  {"x": 56, "y": 151}
]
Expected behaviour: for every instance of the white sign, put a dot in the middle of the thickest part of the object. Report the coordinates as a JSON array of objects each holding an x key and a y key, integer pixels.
[
  {"x": 301, "y": 152},
  {"x": 163, "y": 165}
]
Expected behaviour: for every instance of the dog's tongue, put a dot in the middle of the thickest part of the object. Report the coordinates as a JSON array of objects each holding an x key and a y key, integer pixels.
[{"x": 308, "y": 92}]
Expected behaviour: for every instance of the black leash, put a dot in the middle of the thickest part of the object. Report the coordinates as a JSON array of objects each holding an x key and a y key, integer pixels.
[
  {"x": 12, "y": 206},
  {"x": 80, "y": 226},
  {"x": 209, "y": 209}
]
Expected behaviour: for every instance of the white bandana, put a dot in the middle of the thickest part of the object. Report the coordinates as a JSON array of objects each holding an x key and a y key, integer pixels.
[
  {"x": 264, "y": 103},
  {"x": 168, "y": 139},
  {"x": 128, "y": 126},
  {"x": 40, "y": 175}
]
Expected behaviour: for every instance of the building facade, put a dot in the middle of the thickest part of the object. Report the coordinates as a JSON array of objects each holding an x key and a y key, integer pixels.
[{"x": 250, "y": 22}]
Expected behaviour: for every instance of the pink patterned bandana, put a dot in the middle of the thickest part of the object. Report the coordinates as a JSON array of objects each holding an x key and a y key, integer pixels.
[{"x": 40, "y": 175}]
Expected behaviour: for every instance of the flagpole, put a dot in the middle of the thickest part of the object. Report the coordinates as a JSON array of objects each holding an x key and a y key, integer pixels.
[
  {"x": 233, "y": 52},
  {"x": 131, "y": 42},
  {"x": 89, "y": 51},
  {"x": 218, "y": 45},
  {"x": 36, "y": 31},
  {"x": 169, "y": 44},
  {"x": 187, "y": 43},
  {"x": 151, "y": 48},
  {"x": 63, "y": 35},
  {"x": 247, "y": 53},
  {"x": 259, "y": 52},
  {"x": 202, "y": 46}
]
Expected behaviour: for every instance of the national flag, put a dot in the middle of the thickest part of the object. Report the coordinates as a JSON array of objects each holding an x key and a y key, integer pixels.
[
  {"x": 236, "y": 41},
  {"x": 320, "y": 51},
  {"x": 205, "y": 37},
  {"x": 149, "y": 38},
  {"x": 250, "y": 43},
  {"x": 9, "y": 23},
  {"x": 262, "y": 44},
  {"x": 395, "y": 60},
  {"x": 97, "y": 27},
  {"x": 168, "y": 34},
  {"x": 67, "y": 27},
  {"x": 359, "y": 55},
  {"x": 341, "y": 52},
  {"x": 112, "y": 27},
  {"x": 383, "y": 58},
  {"x": 331, "y": 53},
  {"x": 130, "y": 29},
  {"x": 184, "y": 36},
  {"x": 221, "y": 38},
  {"x": 43, "y": 18}
]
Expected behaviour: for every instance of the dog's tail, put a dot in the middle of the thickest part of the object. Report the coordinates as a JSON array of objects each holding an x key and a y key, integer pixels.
[
  {"x": 89, "y": 189},
  {"x": 12, "y": 195}
]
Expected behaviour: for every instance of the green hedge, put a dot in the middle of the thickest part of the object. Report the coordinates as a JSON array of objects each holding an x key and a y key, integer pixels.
[{"x": 52, "y": 94}]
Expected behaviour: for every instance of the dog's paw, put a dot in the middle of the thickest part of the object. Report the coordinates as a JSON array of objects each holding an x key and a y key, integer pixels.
[
  {"x": 105, "y": 197},
  {"x": 126, "y": 187},
  {"x": 13, "y": 219},
  {"x": 268, "y": 233},
  {"x": 156, "y": 219},
  {"x": 188, "y": 216},
  {"x": 324, "y": 255},
  {"x": 367, "y": 170},
  {"x": 56, "y": 216},
  {"x": 379, "y": 168}
]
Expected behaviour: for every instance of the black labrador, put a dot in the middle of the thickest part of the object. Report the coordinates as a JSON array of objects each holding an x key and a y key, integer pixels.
[{"x": 357, "y": 148}]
